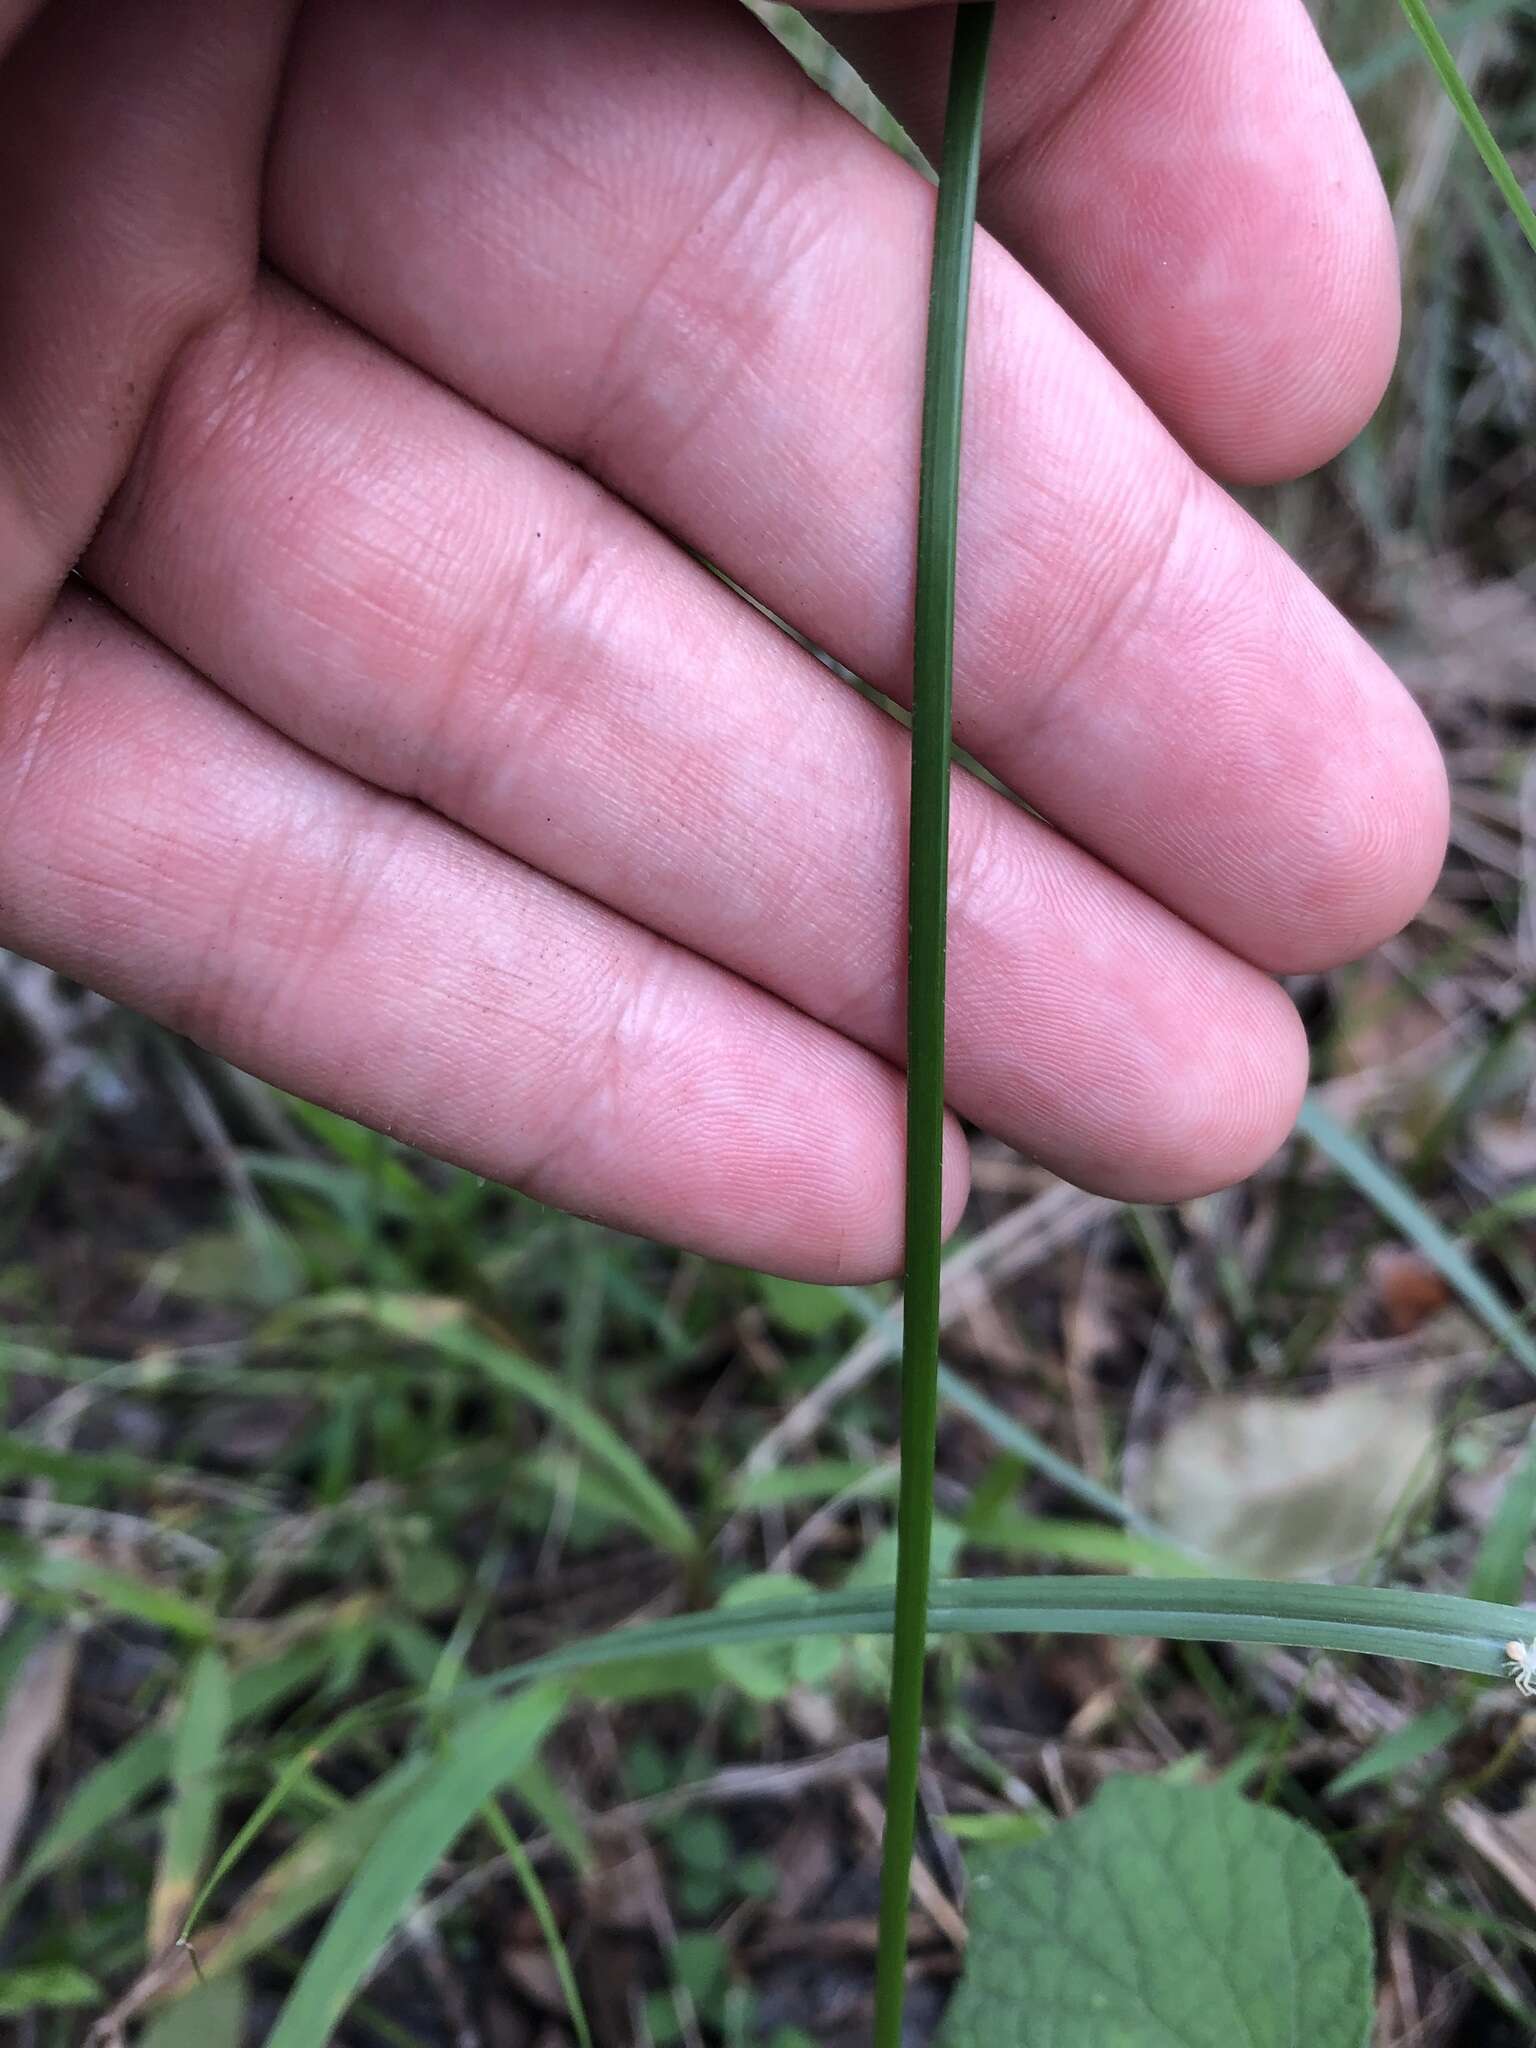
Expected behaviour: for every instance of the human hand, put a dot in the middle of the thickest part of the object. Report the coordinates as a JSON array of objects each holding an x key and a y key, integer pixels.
[{"x": 379, "y": 362}]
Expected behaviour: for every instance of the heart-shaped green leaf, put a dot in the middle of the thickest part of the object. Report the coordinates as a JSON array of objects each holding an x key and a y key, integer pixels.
[{"x": 1165, "y": 1917}]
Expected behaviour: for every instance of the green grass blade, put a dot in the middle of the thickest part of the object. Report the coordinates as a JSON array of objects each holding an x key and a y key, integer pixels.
[
  {"x": 1440, "y": 1629},
  {"x": 485, "y": 1752},
  {"x": 1387, "y": 59},
  {"x": 538, "y": 1899},
  {"x": 59, "y": 1582},
  {"x": 1499, "y": 1570},
  {"x": 301, "y": 1880},
  {"x": 443, "y": 1326},
  {"x": 1018, "y": 1535},
  {"x": 1403, "y": 1209},
  {"x": 197, "y": 1748},
  {"x": 1438, "y": 52},
  {"x": 928, "y": 892},
  {"x": 1031, "y": 1450},
  {"x": 1396, "y": 1752},
  {"x": 115, "y": 1787},
  {"x": 1008, "y": 1435}
]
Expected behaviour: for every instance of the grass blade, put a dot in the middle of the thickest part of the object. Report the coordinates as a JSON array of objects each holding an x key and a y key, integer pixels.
[
  {"x": 443, "y": 1326},
  {"x": 196, "y": 1749},
  {"x": 486, "y": 1751},
  {"x": 928, "y": 893},
  {"x": 1439, "y": 1629},
  {"x": 538, "y": 1899},
  {"x": 1438, "y": 52},
  {"x": 115, "y": 1787},
  {"x": 1398, "y": 1751},
  {"x": 1403, "y": 1209},
  {"x": 59, "y": 1582},
  {"x": 1499, "y": 1570}
]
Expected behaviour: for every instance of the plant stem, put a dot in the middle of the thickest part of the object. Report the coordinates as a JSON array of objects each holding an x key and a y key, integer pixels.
[
  {"x": 1438, "y": 52},
  {"x": 928, "y": 874}
]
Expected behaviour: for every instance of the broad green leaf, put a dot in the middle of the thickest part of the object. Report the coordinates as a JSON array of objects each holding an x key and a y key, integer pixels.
[
  {"x": 197, "y": 1747},
  {"x": 1165, "y": 1917},
  {"x": 38, "y": 1986},
  {"x": 483, "y": 1754},
  {"x": 444, "y": 1327}
]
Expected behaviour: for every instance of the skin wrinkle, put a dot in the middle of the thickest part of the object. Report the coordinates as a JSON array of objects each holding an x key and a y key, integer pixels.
[
  {"x": 747, "y": 206},
  {"x": 460, "y": 922},
  {"x": 663, "y": 787},
  {"x": 842, "y": 572},
  {"x": 146, "y": 234}
]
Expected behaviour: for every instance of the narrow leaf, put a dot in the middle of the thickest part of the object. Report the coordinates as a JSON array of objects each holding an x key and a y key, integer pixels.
[
  {"x": 1403, "y": 1209},
  {"x": 443, "y": 1327},
  {"x": 1439, "y": 1629},
  {"x": 1460, "y": 95},
  {"x": 116, "y": 1786},
  {"x": 1408, "y": 1745},
  {"x": 927, "y": 903},
  {"x": 197, "y": 1749},
  {"x": 485, "y": 1752}
]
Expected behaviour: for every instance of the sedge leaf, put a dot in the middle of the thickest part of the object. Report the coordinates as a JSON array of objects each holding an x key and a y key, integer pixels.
[{"x": 486, "y": 1751}]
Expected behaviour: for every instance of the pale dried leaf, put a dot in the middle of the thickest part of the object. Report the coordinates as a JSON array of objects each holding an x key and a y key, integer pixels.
[{"x": 1293, "y": 1487}]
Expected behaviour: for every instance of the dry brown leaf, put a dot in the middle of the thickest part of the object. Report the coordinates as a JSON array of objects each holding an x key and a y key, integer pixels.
[{"x": 33, "y": 1716}]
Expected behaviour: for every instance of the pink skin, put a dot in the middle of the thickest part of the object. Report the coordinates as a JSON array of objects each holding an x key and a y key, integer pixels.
[{"x": 404, "y": 763}]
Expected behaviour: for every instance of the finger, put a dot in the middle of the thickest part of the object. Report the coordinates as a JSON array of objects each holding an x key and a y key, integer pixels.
[
  {"x": 14, "y": 16},
  {"x": 131, "y": 143},
  {"x": 411, "y": 590},
  {"x": 159, "y": 843},
  {"x": 1189, "y": 180},
  {"x": 711, "y": 293}
]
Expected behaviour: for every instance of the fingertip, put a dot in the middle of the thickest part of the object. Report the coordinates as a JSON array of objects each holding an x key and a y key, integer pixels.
[
  {"x": 957, "y": 1174},
  {"x": 1368, "y": 846},
  {"x": 1210, "y": 1095},
  {"x": 1319, "y": 339}
]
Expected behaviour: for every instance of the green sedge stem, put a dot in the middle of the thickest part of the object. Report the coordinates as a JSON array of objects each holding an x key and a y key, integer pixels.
[
  {"x": 928, "y": 873},
  {"x": 1438, "y": 52}
]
